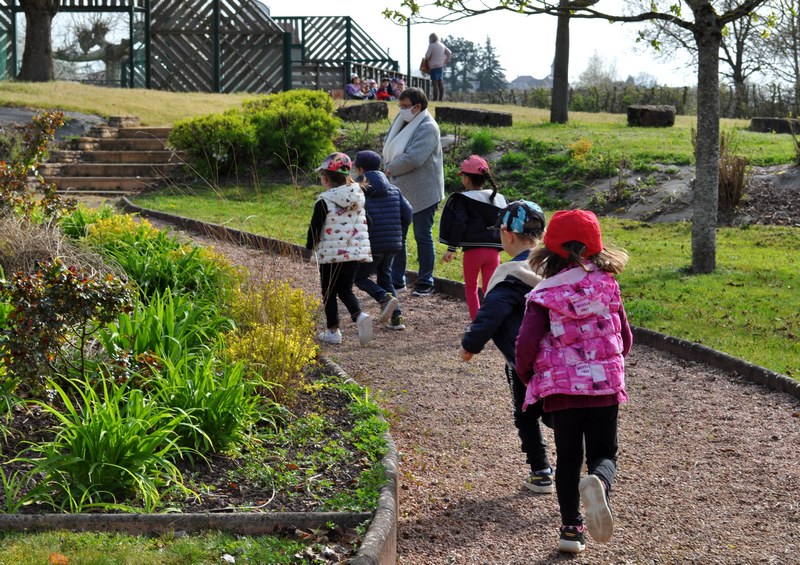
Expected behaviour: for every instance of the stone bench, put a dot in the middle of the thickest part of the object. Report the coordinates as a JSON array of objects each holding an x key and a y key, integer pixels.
[
  {"x": 774, "y": 125},
  {"x": 472, "y": 117},
  {"x": 651, "y": 116},
  {"x": 364, "y": 112}
]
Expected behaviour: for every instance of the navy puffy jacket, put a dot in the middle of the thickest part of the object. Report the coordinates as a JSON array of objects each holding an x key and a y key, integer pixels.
[{"x": 388, "y": 211}]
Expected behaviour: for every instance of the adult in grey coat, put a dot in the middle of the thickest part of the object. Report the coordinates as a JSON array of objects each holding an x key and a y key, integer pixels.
[{"x": 412, "y": 154}]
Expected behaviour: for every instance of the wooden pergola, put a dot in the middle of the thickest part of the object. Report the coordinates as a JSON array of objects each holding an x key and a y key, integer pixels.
[{"x": 223, "y": 46}]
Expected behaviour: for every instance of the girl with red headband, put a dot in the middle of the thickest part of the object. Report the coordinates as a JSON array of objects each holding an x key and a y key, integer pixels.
[
  {"x": 467, "y": 221},
  {"x": 570, "y": 351}
]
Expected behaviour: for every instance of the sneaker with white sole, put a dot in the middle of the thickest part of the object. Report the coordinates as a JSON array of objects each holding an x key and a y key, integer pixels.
[
  {"x": 599, "y": 521},
  {"x": 396, "y": 323},
  {"x": 423, "y": 290},
  {"x": 364, "y": 325},
  {"x": 572, "y": 539},
  {"x": 388, "y": 307},
  {"x": 330, "y": 336}
]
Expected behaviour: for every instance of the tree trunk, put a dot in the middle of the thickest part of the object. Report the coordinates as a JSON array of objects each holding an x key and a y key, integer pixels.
[
  {"x": 559, "y": 104},
  {"x": 708, "y": 35},
  {"x": 37, "y": 59}
]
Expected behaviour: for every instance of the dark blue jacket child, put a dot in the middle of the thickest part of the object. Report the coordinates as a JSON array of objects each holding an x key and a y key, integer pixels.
[
  {"x": 388, "y": 218},
  {"x": 499, "y": 318}
]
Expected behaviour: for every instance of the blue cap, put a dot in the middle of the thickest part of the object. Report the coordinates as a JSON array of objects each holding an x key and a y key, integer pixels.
[{"x": 521, "y": 216}]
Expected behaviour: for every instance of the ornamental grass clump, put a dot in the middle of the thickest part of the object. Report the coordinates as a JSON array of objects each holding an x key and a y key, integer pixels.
[
  {"x": 275, "y": 336},
  {"x": 218, "y": 400},
  {"x": 112, "y": 445}
]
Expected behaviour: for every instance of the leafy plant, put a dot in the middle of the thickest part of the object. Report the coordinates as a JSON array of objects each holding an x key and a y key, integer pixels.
[
  {"x": 166, "y": 327},
  {"x": 216, "y": 144},
  {"x": 15, "y": 194},
  {"x": 275, "y": 336},
  {"x": 76, "y": 223},
  {"x": 481, "y": 142},
  {"x": 217, "y": 399},
  {"x": 157, "y": 261},
  {"x": 55, "y": 310},
  {"x": 112, "y": 445}
]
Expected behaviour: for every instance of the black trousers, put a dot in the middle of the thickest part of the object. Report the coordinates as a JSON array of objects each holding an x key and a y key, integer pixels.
[
  {"x": 336, "y": 280},
  {"x": 596, "y": 428},
  {"x": 527, "y": 424}
]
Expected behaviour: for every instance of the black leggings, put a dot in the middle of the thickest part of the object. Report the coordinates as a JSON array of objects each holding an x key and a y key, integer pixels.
[
  {"x": 336, "y": 280},
  {"x": 527, "y": 424},
  {"x": 597, "y": 428}
]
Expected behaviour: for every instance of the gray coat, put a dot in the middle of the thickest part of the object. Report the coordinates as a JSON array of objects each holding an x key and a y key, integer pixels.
[{"x": 419, "y": 172}]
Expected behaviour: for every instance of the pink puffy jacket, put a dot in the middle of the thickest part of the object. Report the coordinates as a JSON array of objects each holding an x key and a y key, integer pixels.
[{"x": 581, "y": 354}]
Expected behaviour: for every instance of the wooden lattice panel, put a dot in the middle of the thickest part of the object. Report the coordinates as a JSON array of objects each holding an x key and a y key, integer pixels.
[
  {"x": 182, "y": 46},
  {"x": 334, "y": 39}
]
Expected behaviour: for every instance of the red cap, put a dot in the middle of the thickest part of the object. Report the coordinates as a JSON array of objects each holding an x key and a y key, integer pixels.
[{"x": 573, "y": 225}]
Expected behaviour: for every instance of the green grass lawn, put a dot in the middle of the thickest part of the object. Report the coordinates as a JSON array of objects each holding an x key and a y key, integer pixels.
[{"x": 749, "y": 308}]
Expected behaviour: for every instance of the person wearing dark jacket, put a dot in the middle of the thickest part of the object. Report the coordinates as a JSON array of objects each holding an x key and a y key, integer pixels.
[
  {"x": 389, "y": 215},
  {"x": 466, "y": 222},
  {"x": 521, "y": 224}
]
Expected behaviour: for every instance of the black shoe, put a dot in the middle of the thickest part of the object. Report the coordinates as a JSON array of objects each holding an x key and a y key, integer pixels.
[
  {"x": 540, "y": 482},
  {"x": 572, "y": 539},
  {"x": 422, "y": 290}
]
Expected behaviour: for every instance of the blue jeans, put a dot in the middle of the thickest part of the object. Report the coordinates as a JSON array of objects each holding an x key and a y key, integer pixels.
[
  {"x": 423, "y": 233},
  {"x": 382, "y": 266}
]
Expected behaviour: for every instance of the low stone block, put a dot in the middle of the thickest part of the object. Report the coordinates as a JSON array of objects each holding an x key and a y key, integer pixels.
[
  {"x": 651, "y": 116},
  {"x": 366, "y": 112},
  {"x": 774, "y": 125},
  {"x": 472, "y": 117}
]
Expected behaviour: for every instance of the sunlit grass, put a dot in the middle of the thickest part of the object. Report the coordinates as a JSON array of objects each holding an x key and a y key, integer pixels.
[
  {"x": 153, "y": 107},
  {"x": 118, "y": 549}
]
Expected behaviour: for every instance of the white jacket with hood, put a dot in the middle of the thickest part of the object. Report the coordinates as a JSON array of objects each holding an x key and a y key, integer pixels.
[{"x": 344, "y": 236}]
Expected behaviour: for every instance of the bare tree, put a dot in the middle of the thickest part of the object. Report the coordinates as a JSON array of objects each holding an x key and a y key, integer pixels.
[
  {"x": 741, "y": 54},
  {"x": 706, "y": 22},
  {"x": 782, "y": 46},
  {"x": 37, "y": 58}
]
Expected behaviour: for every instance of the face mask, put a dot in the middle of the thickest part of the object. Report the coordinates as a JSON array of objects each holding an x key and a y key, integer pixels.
[{"x": 406, "y": 114}]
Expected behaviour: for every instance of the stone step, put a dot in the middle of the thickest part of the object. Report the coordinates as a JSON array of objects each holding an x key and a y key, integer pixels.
[
  {"x": 130, "y": 144},
  {"x": 109, "y": 184},
  {"x": 72, "y": 156},
  {"x": 144, "y": 132},
  {"x": 111, "y": 169}
]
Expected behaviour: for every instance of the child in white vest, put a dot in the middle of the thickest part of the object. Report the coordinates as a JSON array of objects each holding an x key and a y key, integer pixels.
[{"x": 339, "y": 236}]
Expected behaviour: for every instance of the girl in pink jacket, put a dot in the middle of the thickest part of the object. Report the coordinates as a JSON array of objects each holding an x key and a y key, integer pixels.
[{"x": 570, "y": 352}]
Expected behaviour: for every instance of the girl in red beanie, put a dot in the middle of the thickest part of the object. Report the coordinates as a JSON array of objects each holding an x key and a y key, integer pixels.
[{"x": 570, "y": 352}]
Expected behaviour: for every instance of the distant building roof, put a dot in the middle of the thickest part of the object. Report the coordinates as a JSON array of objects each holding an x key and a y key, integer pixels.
[{"x": 524, "y": 82}]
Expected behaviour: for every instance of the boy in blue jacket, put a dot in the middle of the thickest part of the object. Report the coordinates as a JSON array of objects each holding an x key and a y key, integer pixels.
[
  {"x": 521, "y": 224},
  {"x": 388, "y": 215}
]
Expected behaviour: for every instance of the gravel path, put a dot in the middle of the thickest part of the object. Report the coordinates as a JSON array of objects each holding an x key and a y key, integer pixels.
[{"x": 709, "y": 465}]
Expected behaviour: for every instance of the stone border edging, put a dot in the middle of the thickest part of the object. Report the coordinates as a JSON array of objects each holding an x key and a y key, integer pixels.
[
  {"x": 379, "y": 545},
  {"x": 692, "y": 351},
  {"x": 247, "y": 523}
]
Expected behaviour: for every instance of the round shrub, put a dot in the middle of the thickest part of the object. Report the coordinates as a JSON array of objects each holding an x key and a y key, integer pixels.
[{"x": 216, "y": 144}]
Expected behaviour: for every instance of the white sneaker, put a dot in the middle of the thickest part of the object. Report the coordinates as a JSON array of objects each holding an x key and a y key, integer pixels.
[
  {"x": 364, "y": 325},
  {"x": 329, "y": 336},
  {"x": 388, "y": 309},
  {"x": 599, "y": 521}
]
